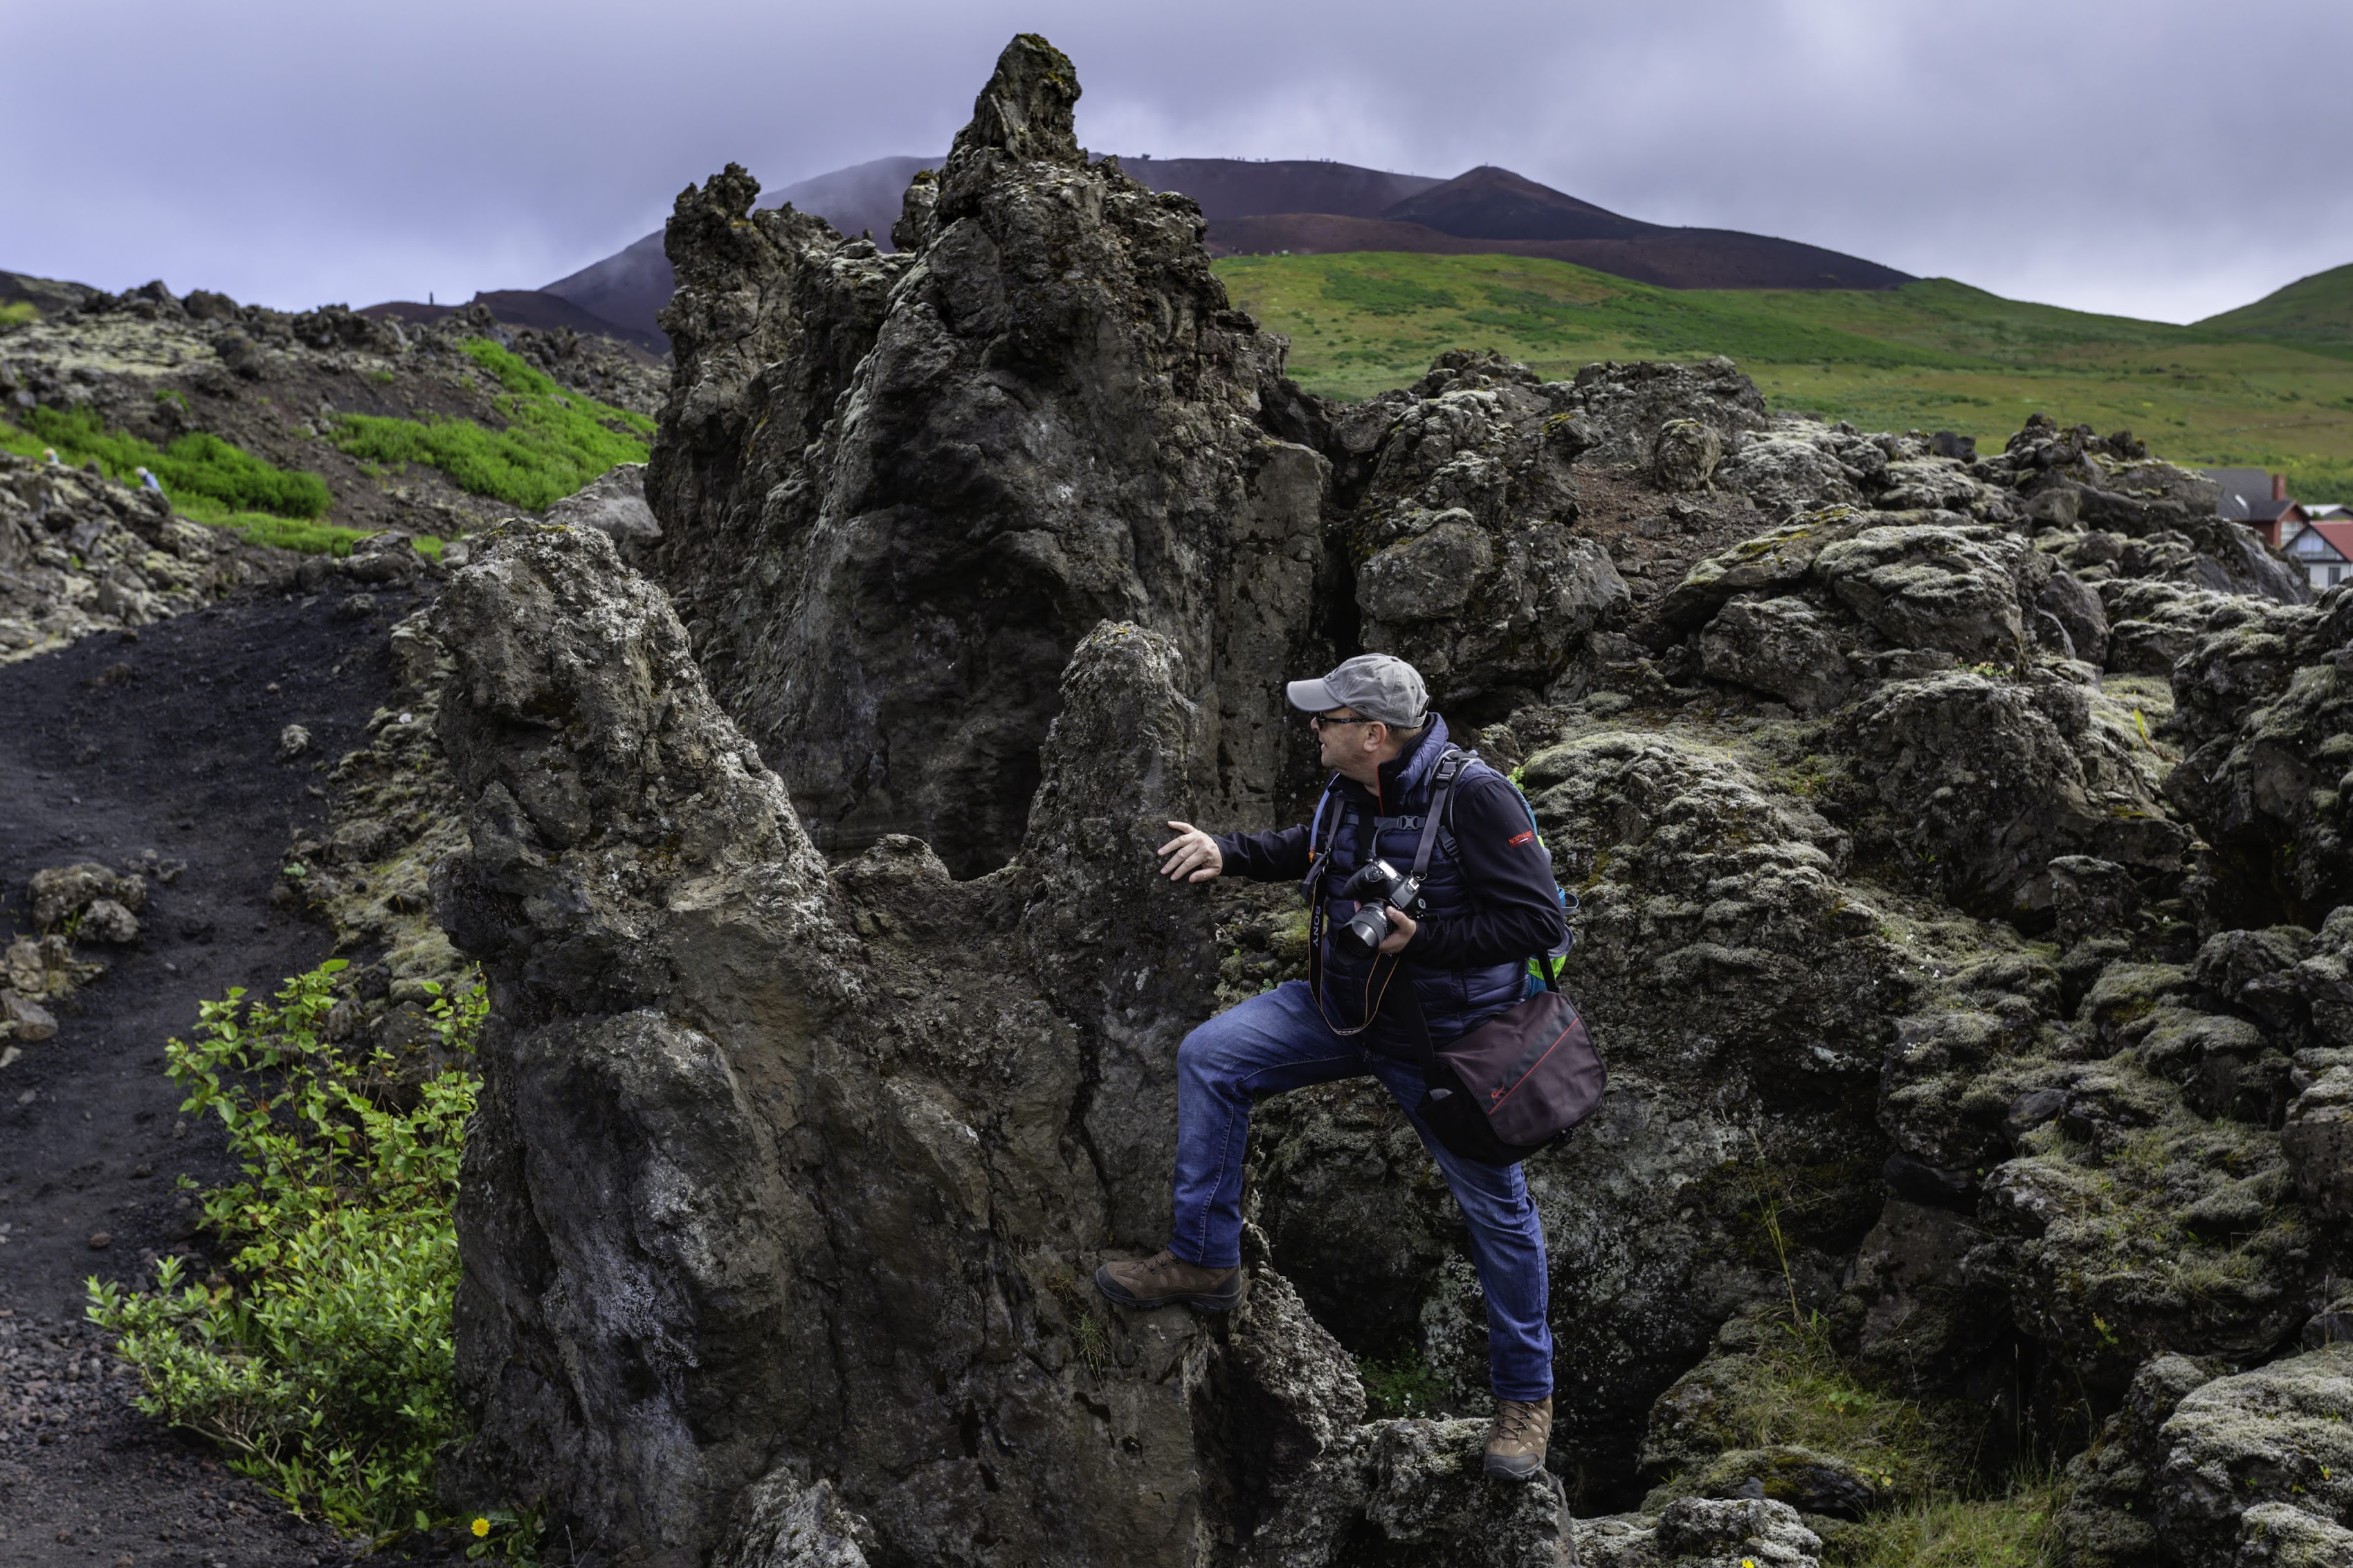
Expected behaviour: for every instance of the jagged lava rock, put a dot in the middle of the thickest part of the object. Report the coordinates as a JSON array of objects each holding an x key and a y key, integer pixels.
[
  {"x": 2280, "y": 1435},
  {"x": 2268, "y": 717},
  {"x": 779, "y": 1172},
  {"x": 1470, "y": 568},
  {"x": 1622, "y": 409},
  {"x": 896, "y": 489}
]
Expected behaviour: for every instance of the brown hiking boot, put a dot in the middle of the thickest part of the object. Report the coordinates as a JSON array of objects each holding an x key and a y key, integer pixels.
[
  {"x": 1164, "y": 1279},
  {"x": 1516, "y": 1438}
]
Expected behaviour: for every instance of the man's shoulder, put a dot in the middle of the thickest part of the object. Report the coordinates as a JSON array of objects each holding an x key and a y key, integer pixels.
[{"x": 1480, "y": 780}]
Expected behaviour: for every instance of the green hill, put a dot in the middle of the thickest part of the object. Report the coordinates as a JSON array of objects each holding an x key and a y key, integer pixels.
[
  {"x": 1931, "y": 355},
  {"x": 2316, "y": 310}
]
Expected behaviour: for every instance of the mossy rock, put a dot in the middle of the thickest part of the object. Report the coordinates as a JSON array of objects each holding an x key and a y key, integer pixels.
[
  {"x": 1808, "y": 1479},
  {"x": 2126, "y": 992}
]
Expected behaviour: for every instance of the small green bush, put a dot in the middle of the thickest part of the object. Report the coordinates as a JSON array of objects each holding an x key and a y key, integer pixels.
[
  {"x": 17, "y": 313},
  {"x": 1796, "y": 1389},
  {"x": 1940, "y": 1509},
  {"x": 555, "y": 441},
  {"x": 197, "y": 466},
  {"x": 324, "y": 1366}
]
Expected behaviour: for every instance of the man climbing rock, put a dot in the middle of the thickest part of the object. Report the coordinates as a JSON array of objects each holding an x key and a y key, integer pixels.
[{"x": 1488, "y": 903}]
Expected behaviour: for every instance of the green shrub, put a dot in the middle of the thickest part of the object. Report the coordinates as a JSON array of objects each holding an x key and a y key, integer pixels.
[
  {"x": 197, "y": 465},
  {"x": 17, "y": 313},
  {"x": 324, "y": 1365},
  {"x": 555, "y": 441}
]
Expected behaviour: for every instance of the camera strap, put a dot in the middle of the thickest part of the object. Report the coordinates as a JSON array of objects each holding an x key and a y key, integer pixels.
[{"x": 1319, "y": 856}]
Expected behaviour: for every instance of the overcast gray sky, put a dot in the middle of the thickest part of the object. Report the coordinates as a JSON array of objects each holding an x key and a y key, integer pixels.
[{"x": 2165, "y": 158}]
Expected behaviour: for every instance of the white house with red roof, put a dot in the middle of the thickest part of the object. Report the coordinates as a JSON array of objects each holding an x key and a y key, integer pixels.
[
  {"x": 2316, "y": 535},
  {"x": 2322, "y": 545}
]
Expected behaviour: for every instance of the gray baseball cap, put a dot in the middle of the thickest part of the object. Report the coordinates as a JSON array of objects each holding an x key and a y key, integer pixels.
[{"x": 1376, "y": 684}]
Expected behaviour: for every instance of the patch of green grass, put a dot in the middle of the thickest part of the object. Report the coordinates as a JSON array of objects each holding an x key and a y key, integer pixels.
[
  {"x": 1092, "y": 1341},
  {"x": 175, "y": 396},
  {"x": 1939, "y": 1511},
  {"x": 303, "y": 534},
  {"x": 17, "y": 313},
  {"x": 1408, "y": 1385},
  {"x": 2012, "y": 1531},
  {"x": 1931, "y": 355},
  {"x": 324, "y": 1365},
  {"x": 1378, "y": 294},
  {"x": 1797, "y": 1391},
  {"x": 555, "y": 441},
  {"x": 198, "y": 466},
  {"x": 282, "y": 532}
]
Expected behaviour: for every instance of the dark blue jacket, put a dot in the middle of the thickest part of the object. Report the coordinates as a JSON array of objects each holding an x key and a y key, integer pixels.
[{"x": 1492, "y": 902}]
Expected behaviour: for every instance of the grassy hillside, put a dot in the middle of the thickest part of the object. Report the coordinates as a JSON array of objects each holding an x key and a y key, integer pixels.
[
  {"x": 209, "y": 480},
  {"x": 555, "y": 441},
  {"x": 2316, "y": 311},
  {"x": 1931, "y": 355}
]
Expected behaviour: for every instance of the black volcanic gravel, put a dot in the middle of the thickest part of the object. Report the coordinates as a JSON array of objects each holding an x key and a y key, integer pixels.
[{"x": 117, "y": 745}]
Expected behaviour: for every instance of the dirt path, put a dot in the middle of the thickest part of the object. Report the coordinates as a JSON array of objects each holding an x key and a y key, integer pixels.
[{"x": 110, "y": 749}]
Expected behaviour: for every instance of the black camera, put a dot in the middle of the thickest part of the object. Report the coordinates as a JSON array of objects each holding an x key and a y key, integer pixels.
[{"x": 1375, "y": 886}]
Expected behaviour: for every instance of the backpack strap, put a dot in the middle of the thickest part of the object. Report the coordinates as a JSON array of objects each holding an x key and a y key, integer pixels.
[{"x": 1450, "y": 764}]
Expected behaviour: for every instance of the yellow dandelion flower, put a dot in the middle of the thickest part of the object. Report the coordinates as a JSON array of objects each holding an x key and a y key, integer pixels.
[{"x": 482, "y": 1527}]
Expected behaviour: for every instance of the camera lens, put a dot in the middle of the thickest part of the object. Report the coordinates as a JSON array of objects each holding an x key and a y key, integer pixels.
[{"x": 1364, "y": 933}]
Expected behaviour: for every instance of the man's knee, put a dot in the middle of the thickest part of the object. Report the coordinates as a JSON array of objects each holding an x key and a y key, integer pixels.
[
  {"x": 1202, "y": 1054},
  {"x": 1231, "y": 1045}
]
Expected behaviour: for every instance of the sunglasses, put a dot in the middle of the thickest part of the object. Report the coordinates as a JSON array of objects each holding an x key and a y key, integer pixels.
[{"x": 1325, "y": 721}]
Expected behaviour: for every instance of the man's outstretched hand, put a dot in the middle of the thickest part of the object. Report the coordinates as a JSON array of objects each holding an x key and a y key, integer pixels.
[{"x": 1190, "y": 856}]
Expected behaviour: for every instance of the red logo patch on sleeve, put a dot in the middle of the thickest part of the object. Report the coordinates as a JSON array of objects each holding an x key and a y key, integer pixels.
[{"x": 1522, "y": 838}]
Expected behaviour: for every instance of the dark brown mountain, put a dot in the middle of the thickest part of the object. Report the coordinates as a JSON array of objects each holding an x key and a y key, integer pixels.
[
  {"x": 1241, "y": 187},
  {"x": 1669, "y": 258},
  {"x": 627, "y": 287},
  {"x": 1490, "y": 203},
  {"x": 1310, "y": 207}
]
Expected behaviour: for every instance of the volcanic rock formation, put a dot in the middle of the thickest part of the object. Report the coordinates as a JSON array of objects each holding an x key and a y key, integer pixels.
[
  {"x": 1960, "y": 873},
  {"x": 765, "y": 1196},
  {"x": 1039, "y": 414}
]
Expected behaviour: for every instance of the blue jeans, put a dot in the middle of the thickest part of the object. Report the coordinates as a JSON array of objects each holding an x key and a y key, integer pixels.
[{"x": 1279, "y": 1040}]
